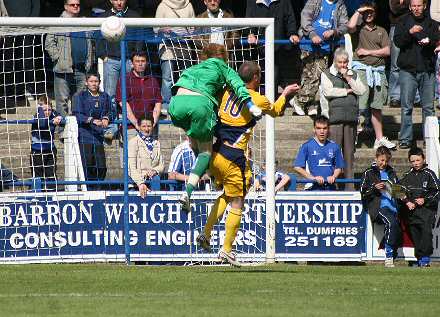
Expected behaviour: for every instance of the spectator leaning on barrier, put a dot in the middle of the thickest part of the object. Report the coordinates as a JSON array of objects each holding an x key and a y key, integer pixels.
[
  {"x": 143, "y": 94},
  {"x": 181, "y": 162},
  {"x": 417, "y": 36},
  {"x": 182, "y": 159},
  {"x": 322, "y": 23},
  {"x": 145, "y": 160},
  {"x": 286, "y": 55},
  {"x": 110, "y": 52},
  {"x": 371, "y": 46},
  {"x": 43, "y": 151},
  {"x": 168, "y": 63},
  {"x": 91, "y": 109},
  {"x": 421, "y": 202},
  {"x": 398, "y": 9},
  {"x": 281, "y": 179},
  {"x": 381, "y": 206},
  {"x": 320, "y": 159},
  {"x": 72, "y": 56},
  {"x": 341, "y": 88}
]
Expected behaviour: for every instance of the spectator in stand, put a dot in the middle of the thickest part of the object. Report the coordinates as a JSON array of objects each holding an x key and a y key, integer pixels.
[
  {"x": 341, "y": 88},
  {"x": 322, "y": 23},
  {"x": 320, "y": 159},
  {"x": 417, "y": 36},
  {"x": 168, "y": 58},
  {"x": 421, "y": 202},
  {"x": 398, "y": 9},
  {"x": 371, "y": 46},
  {"x": 110, "y": 52},
  {"x": 182, "y": 160},
  {"x": 43, "y": 150},
  {"x": 98, "y": 7},
  {"x": 145, "y": 162},
  {"x": 376, "y": 187},
  {"x": 281, "y": 179},
  {"x": 286, "y": 55},
  {"x": 72, "y": 56},
  {"x": 217, "y": 34},
  {"x": 143, "y": 94},
  {"x": 91, "y": 109}
]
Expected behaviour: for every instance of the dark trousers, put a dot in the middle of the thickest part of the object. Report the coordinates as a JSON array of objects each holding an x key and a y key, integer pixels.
[
  {"x": 43, "y": 164},
  {"x": 94, "y": 164},
  {"x": 393, "y": 232},
  {"x": 344, "y": 134},
  {"x": 420, "y": 223},
  {"x": 287, "y": 66}
]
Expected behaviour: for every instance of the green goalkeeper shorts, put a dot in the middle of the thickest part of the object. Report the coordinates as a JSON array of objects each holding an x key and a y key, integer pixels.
[{"x": 195, "y": 114}]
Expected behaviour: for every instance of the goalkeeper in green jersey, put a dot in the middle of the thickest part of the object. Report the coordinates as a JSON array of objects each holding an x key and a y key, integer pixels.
[{"x": 194, "y": 105}]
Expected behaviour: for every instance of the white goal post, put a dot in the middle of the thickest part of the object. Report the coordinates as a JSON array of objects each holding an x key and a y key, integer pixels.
[{"x": 41, "y": 25}]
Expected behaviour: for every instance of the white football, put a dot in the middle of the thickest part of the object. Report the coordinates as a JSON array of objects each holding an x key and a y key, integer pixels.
[{"x": 113, "y": 29}]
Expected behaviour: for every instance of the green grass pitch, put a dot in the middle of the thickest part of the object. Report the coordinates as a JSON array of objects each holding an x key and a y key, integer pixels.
[{"x": 272, "y": 290}]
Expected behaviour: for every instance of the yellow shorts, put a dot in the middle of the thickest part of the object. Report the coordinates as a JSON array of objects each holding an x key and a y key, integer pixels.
[{"x": 231, "y": 170}]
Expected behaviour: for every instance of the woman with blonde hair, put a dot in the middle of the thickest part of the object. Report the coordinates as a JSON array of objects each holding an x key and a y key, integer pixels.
[{"x": 194, "y": 105}]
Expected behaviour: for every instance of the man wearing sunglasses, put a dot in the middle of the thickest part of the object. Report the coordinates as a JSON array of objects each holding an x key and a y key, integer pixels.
[{"x": 72, "y": 57}]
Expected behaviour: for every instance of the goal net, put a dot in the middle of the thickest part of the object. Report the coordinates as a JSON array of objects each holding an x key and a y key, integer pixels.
[{"x": 61, "y": 204}]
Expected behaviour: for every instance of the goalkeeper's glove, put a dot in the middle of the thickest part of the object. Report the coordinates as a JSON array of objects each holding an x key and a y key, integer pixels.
[{"x": 256, "y": 112}]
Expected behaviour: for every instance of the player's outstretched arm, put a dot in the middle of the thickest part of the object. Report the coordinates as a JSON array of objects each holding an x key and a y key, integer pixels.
[{"x": 277, "y": 108}]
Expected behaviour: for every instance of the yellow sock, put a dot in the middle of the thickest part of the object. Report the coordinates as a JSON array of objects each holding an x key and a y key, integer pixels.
[
  {"x": 216, "y": 213},
  {"x": 232, "y": 225}
]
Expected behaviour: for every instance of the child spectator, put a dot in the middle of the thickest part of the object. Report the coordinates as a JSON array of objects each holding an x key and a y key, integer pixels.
[
  {"x": 43, "y": 150},
  {"x": 421, "y": 201},
  {"x": 380, "y": 204}
]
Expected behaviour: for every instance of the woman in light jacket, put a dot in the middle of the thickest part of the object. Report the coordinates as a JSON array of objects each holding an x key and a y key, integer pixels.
[{"x": 145, "y": 162}]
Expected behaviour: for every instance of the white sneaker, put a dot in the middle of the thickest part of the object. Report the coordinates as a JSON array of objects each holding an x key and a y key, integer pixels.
[
  {"x": 384, "y": 142},
  {"x": 389, "y": 262},
  {"x": 185, "y": 202},
  {"x": 256, "y": 112},
  {"x": 229, "y": 257},
  {"x": 296, "y": 108}
]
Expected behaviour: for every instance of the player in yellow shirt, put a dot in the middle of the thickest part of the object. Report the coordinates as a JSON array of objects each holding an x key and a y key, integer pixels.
[{"x": 229, "y": 165}]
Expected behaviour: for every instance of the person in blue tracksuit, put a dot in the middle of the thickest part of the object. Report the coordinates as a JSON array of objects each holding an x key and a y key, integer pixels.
[
  {"x": 43, "y": 151},
  {"x": 91, "y": 108}
]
